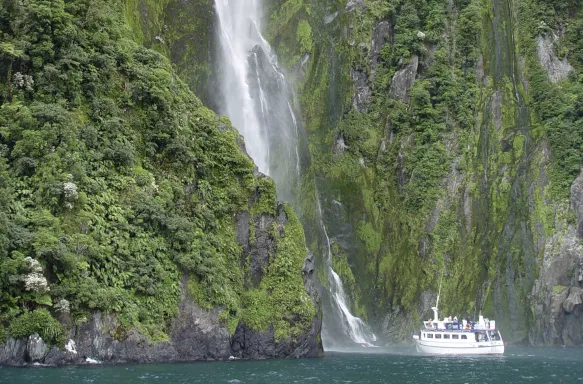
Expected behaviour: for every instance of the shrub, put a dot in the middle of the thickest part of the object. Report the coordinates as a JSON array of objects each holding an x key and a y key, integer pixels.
[{"x": 38, "y": 321}]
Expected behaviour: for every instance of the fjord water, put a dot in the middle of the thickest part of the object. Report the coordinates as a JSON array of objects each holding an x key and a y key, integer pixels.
[
  {"x": 518, "y": 365},
  {"x": 259, "y": 101}
]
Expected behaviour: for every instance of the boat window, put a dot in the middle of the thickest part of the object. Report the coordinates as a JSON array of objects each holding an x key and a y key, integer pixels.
[
  {"x": 494, "y": 335},
  {"x": 464, "y": 337},
  {"x": 446, "y": 336},
  {"x": 424, "y": 335},
  {"x": 455, "y": 337},
  {"x": 480, "y": 336},
  {"x": 430, "y": 335},
  {"x": 438, "y": 336}
]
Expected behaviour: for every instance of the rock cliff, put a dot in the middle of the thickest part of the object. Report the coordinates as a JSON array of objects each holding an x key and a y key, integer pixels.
[
  {"x": 448, "y": 134},
  {"x": 133, "y": 225}
]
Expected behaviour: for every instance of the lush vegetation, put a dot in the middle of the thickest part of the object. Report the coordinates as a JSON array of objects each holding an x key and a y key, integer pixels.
[
  {"x": 116, "y": 182},
  {"x": 460, "y": 179}
]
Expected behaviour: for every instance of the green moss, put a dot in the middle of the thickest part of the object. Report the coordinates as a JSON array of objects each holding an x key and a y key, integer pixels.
[
  {"x": 229, "y": 321},
  {"x": 304, "y": 36},
  {"x": 281, "y": 296},
  {"x": 406, "y": 168},
  {"x": 370, "y": 237},
  {"x": 197, "y": 293},
  {"x": 559, "y": 289},
  {"x": 266, "y": 196}
]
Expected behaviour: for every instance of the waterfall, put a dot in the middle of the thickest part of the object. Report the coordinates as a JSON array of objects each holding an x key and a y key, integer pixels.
[
  {"x": 237, "y": 19},
  {"x": 258, "y": 100},
  {"x": 358, "y": 331}
]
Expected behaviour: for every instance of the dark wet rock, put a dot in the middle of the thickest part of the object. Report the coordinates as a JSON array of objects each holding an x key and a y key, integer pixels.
[
  {"x": 243, "y": 224},
  {"x": 362, "y": 91},
  {"x": 249, "y": 344},
  {"x": 574, "y": 300},
  {"x": 557, "y": 293},
  {"x": 309, "y": 266},
  {"x": 398, "y": 324},
  {"x": 12, "y": 352},
  {"x": 403, "y": 80},
  {"x": 380, "y": 36},
  {"x": 577, "y": 202},
  {"x": 262, "y": 248},
  {"x": 195, "y": 334}
]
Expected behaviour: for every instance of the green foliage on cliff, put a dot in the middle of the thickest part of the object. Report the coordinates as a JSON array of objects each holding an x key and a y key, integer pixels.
[
  {"x": 41, "y": 322},
  {"x": 558, "y": 106},
  {"x": 280, "y": 301},
  {"x": 114, "y": 179},
  {"x": 183, "y": 31},
  {"x": 457, "y": 179}
]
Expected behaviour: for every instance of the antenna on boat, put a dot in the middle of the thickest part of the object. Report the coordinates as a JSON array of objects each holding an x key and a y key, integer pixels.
[{"x": 435, "y": 309}]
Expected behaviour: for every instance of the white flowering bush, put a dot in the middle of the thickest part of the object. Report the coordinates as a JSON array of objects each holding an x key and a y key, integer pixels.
[
  {"x": 63, "y": 305},
  {"x": 70, "y": 193},
  {"x": 34, "y": 281},
  {"x": 23, "y": 81},
  {"x": 18, "y": 80},
  {"x": 33, "y": 265}
]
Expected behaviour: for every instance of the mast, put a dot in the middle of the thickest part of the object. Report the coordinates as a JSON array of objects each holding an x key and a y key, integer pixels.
[{"x": 435, "y": 309}]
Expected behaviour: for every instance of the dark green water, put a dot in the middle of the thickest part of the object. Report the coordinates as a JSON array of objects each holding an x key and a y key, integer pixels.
[{"x": 518, "y": 365}]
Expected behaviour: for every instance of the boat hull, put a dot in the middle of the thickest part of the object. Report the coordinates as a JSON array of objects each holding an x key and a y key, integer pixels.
[{"x": 482, "y": 348}]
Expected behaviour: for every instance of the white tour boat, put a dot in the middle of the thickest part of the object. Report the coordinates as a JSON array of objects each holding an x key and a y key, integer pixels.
[{"x": 452, "y": 337}]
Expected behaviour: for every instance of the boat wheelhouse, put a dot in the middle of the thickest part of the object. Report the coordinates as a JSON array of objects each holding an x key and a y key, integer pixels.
[{"x": 452, "y": 337}]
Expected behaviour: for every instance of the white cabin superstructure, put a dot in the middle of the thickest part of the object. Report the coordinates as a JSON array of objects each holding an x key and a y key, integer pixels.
[
  {"x": 459, "y": 338},
  {"x": 452, "y": 337}
]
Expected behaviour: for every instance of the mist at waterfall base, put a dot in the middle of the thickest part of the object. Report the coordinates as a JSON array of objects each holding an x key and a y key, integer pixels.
[
  {"x": 256, "y": 96},
  {"x": 517, "y": 365}
]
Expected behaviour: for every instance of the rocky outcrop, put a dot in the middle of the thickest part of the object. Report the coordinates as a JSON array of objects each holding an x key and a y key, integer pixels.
[
  {"x": 380, "y": 36},
  {"x": 557, "y": 69},
  {"x": 352, "y": 5},
  {"x": 573, "y": 301},
  {"x": 36, "y": 349},
  {"x": 195, "y": 333},
  {"x": 396, "y": 325},
  {"x": 404, "y": 79},
  {"x": 362, "y": 91},
  {"x": 557, "y": 295}
]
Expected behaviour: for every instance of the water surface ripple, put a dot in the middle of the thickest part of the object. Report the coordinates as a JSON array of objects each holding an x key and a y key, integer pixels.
[{"x": 518, "y": 365}]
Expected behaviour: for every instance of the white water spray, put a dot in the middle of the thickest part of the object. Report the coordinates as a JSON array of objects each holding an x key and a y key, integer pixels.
[
  {"x": 354, "y": 327},
  {"x": 256, "y": 98},
  {"x": 237, "y": 19}
]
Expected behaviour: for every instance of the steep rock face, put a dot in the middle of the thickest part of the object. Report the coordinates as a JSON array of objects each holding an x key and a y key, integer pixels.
[
  {"x": 557, "y": 69},
  {"x": 460, "y": 164},
  {"x": 362, "y": 91},
  {"x": 184, "y": 31},
  {"x": 195, "y": 333},
  {"x": 557, "y": 292},
  {"x": 381, "y": 36},
  {"x": 404, "y": 80},
  {"x": 160, "y": 240}
]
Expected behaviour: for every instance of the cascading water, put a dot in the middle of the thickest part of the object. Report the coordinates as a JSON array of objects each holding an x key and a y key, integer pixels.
[
  {"x": 357, "y": 330},
  {"x": 257, "y": 99}
]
